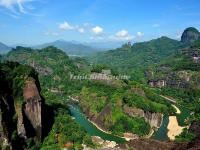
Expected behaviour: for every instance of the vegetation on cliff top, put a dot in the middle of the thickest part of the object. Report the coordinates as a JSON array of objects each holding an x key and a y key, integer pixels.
[
  {"x": 56, "y": 83},
  {"x": 136, "y": 58},
  {"x": 99, "y": 96}
]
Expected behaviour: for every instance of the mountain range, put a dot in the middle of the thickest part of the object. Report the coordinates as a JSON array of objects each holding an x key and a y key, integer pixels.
[
  {"x": 4, "y": 48},
  {"x": 71, "y": 48},
  {"x": 38, "y": 82}
]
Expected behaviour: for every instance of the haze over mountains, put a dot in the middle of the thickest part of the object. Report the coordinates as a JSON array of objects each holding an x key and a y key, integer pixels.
[
  {"x": 75, "y": 48},
  {"x": 70, "y": 47},
  {"x": 4, "y": 48}
]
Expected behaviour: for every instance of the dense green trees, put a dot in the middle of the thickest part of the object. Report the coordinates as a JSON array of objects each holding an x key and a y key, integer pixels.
[
  {"x": 128, "y": 124},
  {"x": 95, "y": 95},
  {"x": 138, "y": 101},
  {"x": 129, "y": 59},
  {"x": 16, "y": 74},
  {"x": 66, "y": 130},
  {"x": 185, "y": 136}
]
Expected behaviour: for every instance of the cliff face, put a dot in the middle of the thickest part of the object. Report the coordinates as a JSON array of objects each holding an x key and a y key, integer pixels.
[
  {"x": 6, "y": 127},
  {"x": 154, "y": 119},
  {"x": 100, "y": 120},
  {"x": 20, "y": 108},
  {"x": 20, "y": 122},
  {"x": 7, "y": 124},
  {"x": 190, "y": 35},
  {"x": 33, "y": 106}
]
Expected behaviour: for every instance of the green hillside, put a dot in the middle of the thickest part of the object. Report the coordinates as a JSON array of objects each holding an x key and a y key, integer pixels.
[
  {"x": 138, "y": 56},
  {"x": 181, "y": 74},
  {"x": 54, "y": 68}
]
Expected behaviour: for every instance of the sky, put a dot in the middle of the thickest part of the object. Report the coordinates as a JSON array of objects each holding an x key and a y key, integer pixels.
[{"x": 32, "y": 22}]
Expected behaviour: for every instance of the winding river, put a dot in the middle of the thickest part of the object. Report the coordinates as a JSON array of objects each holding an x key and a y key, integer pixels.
[
  {"x": 160, "y": 134},
  {"x": 91, "y": 128}
]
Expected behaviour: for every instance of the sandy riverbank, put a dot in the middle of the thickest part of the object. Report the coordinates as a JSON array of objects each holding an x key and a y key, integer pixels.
[
  {"x": 127, "y": 139},
  {"x": 99, "y": 127},
  {"x": 150, "y": 134},
  {"x": 177, "y": 109},
  {"x": 173, "y": 128}
]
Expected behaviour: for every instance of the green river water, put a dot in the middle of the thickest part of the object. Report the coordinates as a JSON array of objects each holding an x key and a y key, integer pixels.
[
  {"x": 90, "y": 128},
  {"x": 160, "y": 134}
]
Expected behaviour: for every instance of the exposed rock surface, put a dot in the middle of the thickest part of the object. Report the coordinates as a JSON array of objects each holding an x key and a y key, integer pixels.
[
  {"x": 190, "y": 35},
  {"x": 154, "y": 119},
  {"x": 193, "y": 53},
  {"x": 20, "y": 122},
  {"x": 150, "y": 144},
  {"x": 33, "y": 104},
  {"x": 104, "y": 144},
  {"x": 44, "y": 71},
  {"x": 171, "y": 80},
  {"x": 6, "y": 113},
  {"x": 100, "y": 120},
  {"x": 195, "y": 128},
  {"x": 157, "y": 83},
  {"x": 20, "y": 109},
  {"x": 130, "y": 136}
]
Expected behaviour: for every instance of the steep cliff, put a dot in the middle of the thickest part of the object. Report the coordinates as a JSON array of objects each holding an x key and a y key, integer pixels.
[
  {"x": 154, "y": 119},
  {"x": 100, "y": 120},
  {"x": 33, "y": 105},
  {"x": 20, "y": 106},
  {"x": 190, "y": 35}
]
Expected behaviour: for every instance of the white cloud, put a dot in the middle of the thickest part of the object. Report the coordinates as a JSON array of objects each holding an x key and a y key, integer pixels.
[
  {"x": 15, "y": 6},
  {"x": 123, "y": 35},
  {"x": 81, "y": 30},
  {"x": 97, "y": 30},
  {"x": 178, "y": 34},
  {"x": 65, "y": 26},
  {"x": 140, "y": 34},
  {"x": 156, "y": 25}
]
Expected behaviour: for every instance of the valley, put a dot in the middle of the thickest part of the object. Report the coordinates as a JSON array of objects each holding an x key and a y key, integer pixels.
[{"x": 158, "y": 104}]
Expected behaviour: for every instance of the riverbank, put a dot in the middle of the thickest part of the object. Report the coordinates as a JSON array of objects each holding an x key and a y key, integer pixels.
[
  {"x": 127, "y": 139},
  {"x": 173, "y": 128},
  {"x": 153, "y": 131},
  {"x": 92, "y": 128},
  {"x": 100, "y": 128},
  {"x": 150, "y": 134}
]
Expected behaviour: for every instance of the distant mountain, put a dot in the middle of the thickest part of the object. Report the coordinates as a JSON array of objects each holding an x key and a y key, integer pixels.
[
  {"x": 4, "y": 48},
  {"x": 190, "y": 35},
  {"x": 105, "y": 45},
  {"x": 137, "y": 56},
  {"x": 71, "y": 48}
]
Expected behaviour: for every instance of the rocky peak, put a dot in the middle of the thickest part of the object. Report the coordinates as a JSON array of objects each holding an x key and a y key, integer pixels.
[
  {"x": 21, "y": 107},
  {"x": 33, "y": 105},
  {"x": 154, "y": 119},
  {"x": 190, "y": 35}
]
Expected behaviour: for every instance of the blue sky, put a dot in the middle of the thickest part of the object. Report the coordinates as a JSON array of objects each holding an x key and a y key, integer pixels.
[{"x": 38, "y": 21}]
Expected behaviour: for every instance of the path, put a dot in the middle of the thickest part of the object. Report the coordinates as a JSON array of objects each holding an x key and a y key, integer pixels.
[{"x": 169, "y": 99}]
